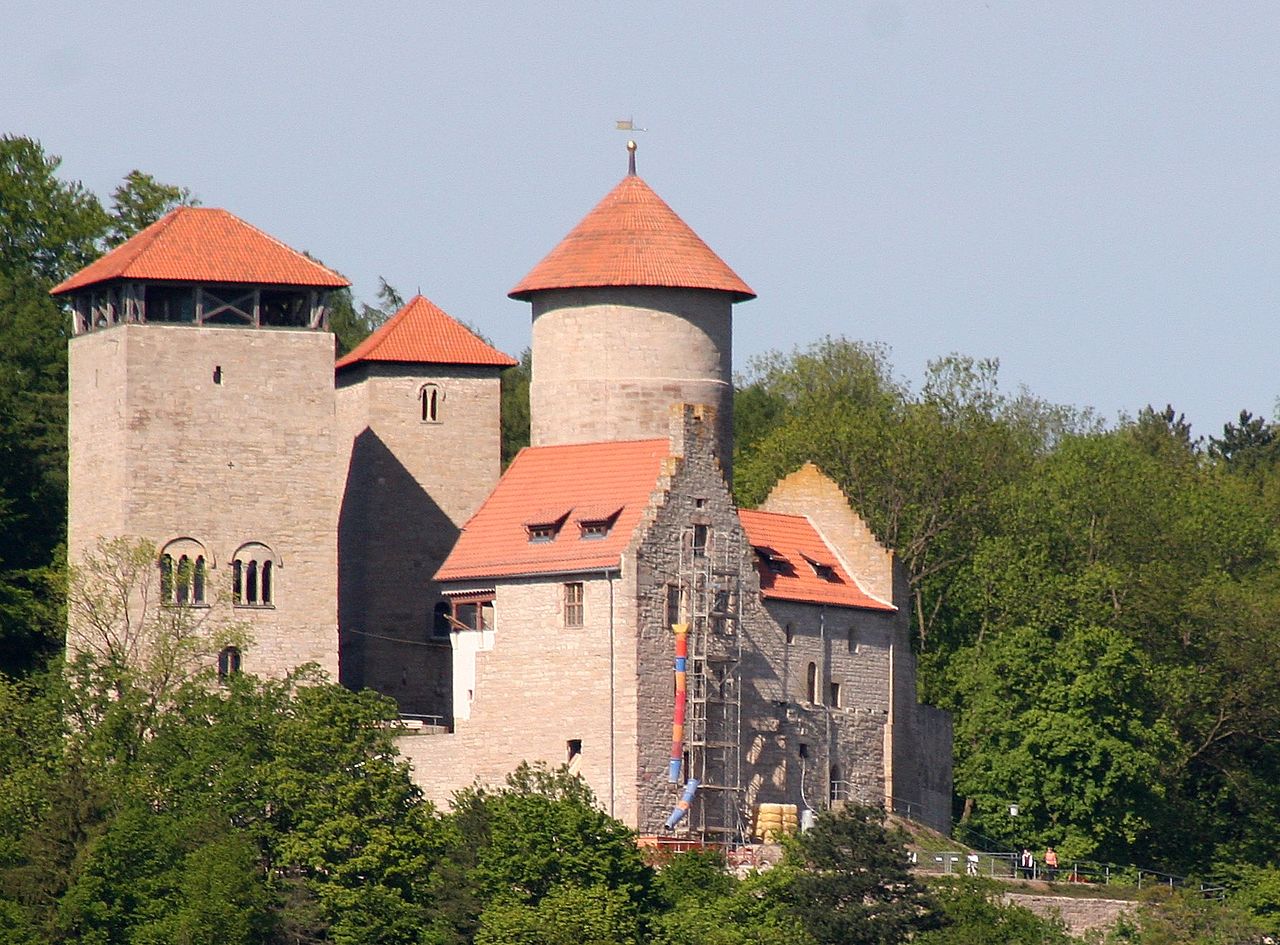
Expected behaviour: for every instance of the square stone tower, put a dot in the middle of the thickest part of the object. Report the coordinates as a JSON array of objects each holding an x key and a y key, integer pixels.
[{"x": 202, "y": 419}]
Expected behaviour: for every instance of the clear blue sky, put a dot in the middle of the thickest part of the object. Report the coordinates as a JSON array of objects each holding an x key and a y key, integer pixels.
[{"x": 1088, "y": 191}]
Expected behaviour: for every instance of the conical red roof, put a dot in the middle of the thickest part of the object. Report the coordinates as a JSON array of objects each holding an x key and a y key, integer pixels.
[
  {"x": 632, "y": 238},
  {"x": 204, "y": 244},
  {"x": 421, "y": 333}
]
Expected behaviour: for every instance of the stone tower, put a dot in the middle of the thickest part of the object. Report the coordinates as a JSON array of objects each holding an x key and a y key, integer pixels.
[
  {"x": 632, "y": 313},
  {"x": 201, "y": 418},
  {"x": 418, "y": 410}
]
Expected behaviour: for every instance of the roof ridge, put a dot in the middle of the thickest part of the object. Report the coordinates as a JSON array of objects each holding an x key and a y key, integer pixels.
[{"x": 421, "y": 332}]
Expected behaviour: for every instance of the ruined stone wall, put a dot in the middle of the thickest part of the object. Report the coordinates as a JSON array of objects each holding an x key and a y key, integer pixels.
[
  {"x": 542, "y": 685},
  {"x": 224, "y": 436},
  {"x": 410, "y": 485},
  {"x": 608, "y": 364}
]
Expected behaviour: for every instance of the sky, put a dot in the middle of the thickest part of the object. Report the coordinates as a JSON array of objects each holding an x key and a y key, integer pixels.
[{"x": 1087, "y": 191}]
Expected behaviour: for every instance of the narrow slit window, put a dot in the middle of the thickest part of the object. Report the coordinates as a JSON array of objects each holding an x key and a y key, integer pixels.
[
  {"x": 573, "y": 604},
  {"x": 251, "y": 583},
  {"x": 237, "y": 581},
  {"x": 166, "y": 578},
  {"x": 228, "y": 662},
  {"x": 197, "y": 581},
  {"x": 268, "y": 576},
  {"x": 700, "y": 534},
  {"x": 183, "y": 585},
  {"x": 811, "y": 685},
  {"x": 833, "y": 691},
  {"x": 429, "y": 397}
]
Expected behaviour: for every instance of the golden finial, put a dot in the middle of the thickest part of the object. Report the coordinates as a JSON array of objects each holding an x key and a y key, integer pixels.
[{"x": 631, "y": 158}]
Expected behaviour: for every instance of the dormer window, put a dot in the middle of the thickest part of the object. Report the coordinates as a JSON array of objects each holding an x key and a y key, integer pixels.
[
  {"x": 597, "y": 523},
  {"x": 774, "y": 560},
  {"x": 546, "y": 526},
  {"x": 823, "y": 569}
]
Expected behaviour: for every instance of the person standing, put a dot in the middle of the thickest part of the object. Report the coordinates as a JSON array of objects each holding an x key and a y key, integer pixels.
[
  {"x": 1051, "y": 862},
  {"x": 1027, "y": 864}
]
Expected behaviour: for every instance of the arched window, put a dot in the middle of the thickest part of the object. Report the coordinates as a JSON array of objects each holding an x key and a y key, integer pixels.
[
  {"x": 197, "y": 582},
  {"x": 166, "y": 578},
  {"x": 228, "y": 662},
  {"x": 253, "y": 575},
  {"x": 183, "y": 585},
  {"x": 430, "y": 398},
  {"x": 183, "y": 571},
  {"x": 811, "y": 691}
]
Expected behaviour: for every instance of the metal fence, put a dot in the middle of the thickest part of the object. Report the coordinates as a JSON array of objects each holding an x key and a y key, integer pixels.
[{"x": 1006, "y": 865}]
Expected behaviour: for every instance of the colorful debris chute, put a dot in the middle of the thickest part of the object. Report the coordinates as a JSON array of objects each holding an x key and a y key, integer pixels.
[
  {"x": 682, "y": 805},
  {"x": 677, "y": 724}
]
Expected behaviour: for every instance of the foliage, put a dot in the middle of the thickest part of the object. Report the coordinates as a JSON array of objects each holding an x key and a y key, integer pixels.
[
  {"x": 852, "y": 885},
  {"x": 973, "y": 914},
  {"x": 1185, "y": 917},
  {"x": 138, "y": 202},
  {"x": 515, "y": 407}
]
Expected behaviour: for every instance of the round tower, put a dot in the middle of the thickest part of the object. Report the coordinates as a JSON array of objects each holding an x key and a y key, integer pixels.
[{"x": 632, "y": 313}]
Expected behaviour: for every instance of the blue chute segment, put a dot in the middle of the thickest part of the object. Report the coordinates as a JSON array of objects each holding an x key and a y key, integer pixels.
[{"x": 682, "y": 806}]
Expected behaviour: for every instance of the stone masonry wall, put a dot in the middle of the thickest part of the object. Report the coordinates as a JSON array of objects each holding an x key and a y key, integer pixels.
[
  {"x": 165, "y": 446},
  {"x": 410, "y": 486},
  {"x": 542, "y": 685},
  {"x": 608, "y": 364}
]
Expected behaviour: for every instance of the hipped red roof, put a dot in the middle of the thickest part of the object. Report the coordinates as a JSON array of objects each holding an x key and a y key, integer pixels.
[
  {"x": 422, "y": 333},
  {"x": 204, "y": 244},
  {"x": 582, "y": 479},
  {"x": 632, "y": 238},
  {"x": 794, "y": 540}
]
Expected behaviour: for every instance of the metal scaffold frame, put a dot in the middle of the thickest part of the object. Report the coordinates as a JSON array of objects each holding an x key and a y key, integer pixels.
[{"x": 710, "y": 589}]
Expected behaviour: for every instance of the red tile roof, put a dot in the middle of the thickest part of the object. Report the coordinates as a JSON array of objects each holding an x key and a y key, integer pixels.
[
  {"x": 549, "y": 480},
  {"x": 421, "y": 333},
  {"x": 204, "y": 244},
  {"x": 632, "y": 238},
  {"x": 793, "y": 543}
]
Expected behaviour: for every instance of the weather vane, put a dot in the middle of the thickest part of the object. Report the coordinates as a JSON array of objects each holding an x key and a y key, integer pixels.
[{"x": 629, "y": 124}]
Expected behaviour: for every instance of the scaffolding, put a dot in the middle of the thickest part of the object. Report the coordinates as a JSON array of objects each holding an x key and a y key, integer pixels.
[{"x": 710, "y": 591}]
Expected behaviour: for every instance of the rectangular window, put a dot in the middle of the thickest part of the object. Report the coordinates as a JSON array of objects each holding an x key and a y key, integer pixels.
[
  {"x": 573, "y": 604},
  {"x": 834, "y": 700},
  {"x": 700, "y": 540},
  {"x": 673, "y": 604},
  {"x": 574, "y": 746}
]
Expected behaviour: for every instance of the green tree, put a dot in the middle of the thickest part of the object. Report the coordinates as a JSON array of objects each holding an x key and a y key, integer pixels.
[
  {"x": 851, "y": 884},
  {"x": 974, "y": 914},
  {"x": 140, "y": 201},
  {"x": 515, "y": 407}
]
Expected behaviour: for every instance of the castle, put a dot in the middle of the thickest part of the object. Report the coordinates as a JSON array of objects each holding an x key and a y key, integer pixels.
[{"x": 602, "y": 603}]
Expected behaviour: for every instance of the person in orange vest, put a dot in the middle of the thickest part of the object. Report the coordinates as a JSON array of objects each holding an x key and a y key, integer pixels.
[{"x": 1051, "y": 862}]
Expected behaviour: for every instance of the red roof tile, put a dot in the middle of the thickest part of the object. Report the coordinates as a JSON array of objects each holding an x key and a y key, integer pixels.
[
  {"x": 793, "y": 542},
  {"x": 204, "y": 244},
  {"x": 587, "y": 476},
  {"x": 421, "y": 333},
  {"x": 632, "y": 238}
]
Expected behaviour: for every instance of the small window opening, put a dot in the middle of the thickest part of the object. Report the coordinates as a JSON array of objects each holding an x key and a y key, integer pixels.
[
  {"x": 833, "y": 691},
  {"x": 266, "y": 582},
  {"x": 773, "y": 560},
  {"x": 573, "y": 748},
  {"x": 166, "y": 578},
  {"x": 429, "y": 397},
  {"x": 789, "y": 633},
  {"x": 822, "y": 569},
  {"x": 183, "y": 585},
  {"x": 700, "y": 540},
  {"x": 197, "y": 581},
  {"x": 811, "y": 685},
  {"x": 546, "y": 526},
  {"x": 251, "y": 583},
  {"x": 673, "y": 604},
  {"x": 573, "y": 604},
  {"x": 837, "y": 792},
  {"x": 804, "y": 750},
  {"x": 440, "y": 626},
  {"x": 853, "y": 640},
  {"x": 228, "y": 662},
  {"x": 237, "y": 581},
  {"x": 217, "y": 374},
  {"x": 699, "y": 503}
]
